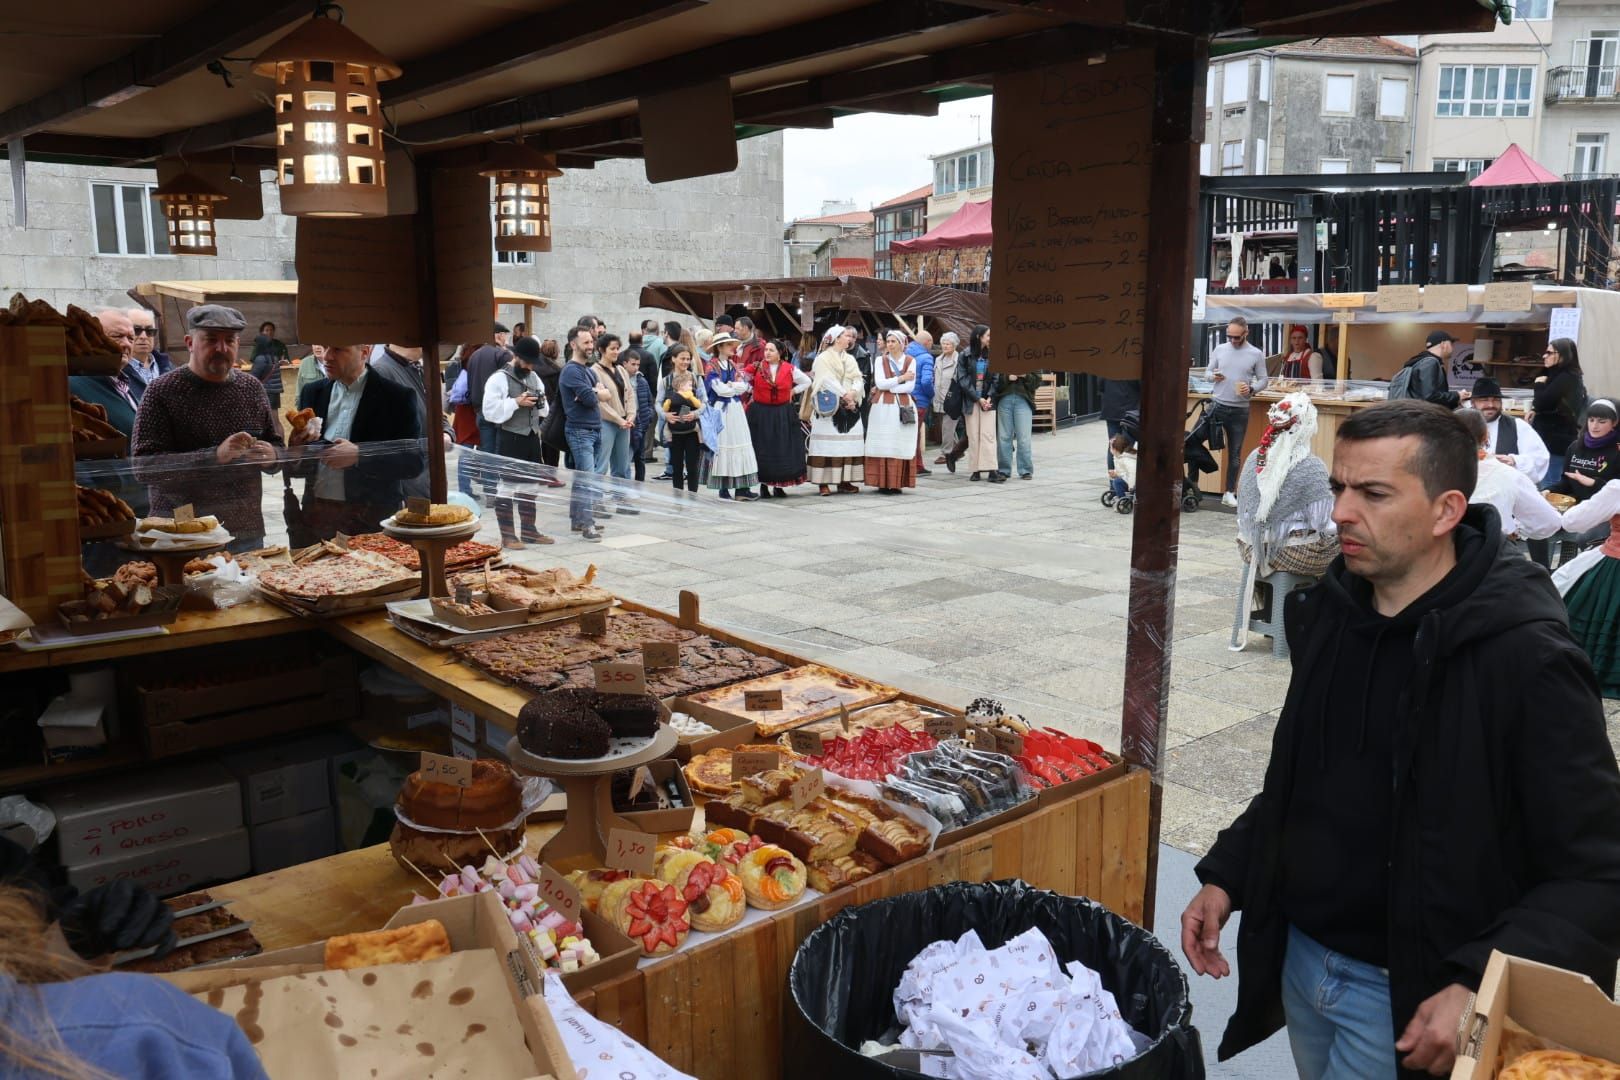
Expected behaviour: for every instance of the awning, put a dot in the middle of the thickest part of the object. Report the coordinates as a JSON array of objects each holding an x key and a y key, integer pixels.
[
  {"x": 968, "y": 227},
  {"x": 1514, "y": 167},
  {"x": 779, "y": 299}
]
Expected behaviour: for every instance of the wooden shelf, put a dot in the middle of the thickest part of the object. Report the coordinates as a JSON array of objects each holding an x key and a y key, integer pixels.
[
  {"x": 254, "y": 619},
  {"x": 24, "y": 777}
]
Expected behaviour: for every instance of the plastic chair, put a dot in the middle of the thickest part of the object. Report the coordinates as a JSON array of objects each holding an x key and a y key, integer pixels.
[{"x": 1273, "y": 589}]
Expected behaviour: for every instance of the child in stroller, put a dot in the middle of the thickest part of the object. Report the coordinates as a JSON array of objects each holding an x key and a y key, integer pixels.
[
  {"x": 1121, "y": 493},
  {"x": 1195, "y": 455}
]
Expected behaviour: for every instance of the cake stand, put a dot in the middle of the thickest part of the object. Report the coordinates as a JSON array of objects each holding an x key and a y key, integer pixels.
[
  {"x": 431, "y": 544},
  {"x": 171, "y": 563},
  {"x": 589, "y": 784}
]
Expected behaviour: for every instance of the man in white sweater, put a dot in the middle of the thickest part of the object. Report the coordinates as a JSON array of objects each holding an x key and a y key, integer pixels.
[{"x": 1525, "y": 513}]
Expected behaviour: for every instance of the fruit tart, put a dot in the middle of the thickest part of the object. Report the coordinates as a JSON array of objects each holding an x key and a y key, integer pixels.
[
  {"x": 713, "y": 894},
  {"x": 772, "y": 877},
  {"x": 591, "y": 883},
  {"x": 650, "y": 912},
  {"x": 728, "y": 845}
]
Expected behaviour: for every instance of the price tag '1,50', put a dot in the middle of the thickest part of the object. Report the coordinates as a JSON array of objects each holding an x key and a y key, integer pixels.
[{"x": 631, "y": 850}]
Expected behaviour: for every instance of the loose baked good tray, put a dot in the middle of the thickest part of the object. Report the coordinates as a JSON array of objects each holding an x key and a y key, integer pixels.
[
  {"x": 423, "y": 620},
  {"x": 809, "y": 693}
]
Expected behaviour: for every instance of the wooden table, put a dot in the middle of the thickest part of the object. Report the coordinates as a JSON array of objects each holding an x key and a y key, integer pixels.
[
  {"x": 254, "y": 619},
  {"x": 720, "y": 1010}
]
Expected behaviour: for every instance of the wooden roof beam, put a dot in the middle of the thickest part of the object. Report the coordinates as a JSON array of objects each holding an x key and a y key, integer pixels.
[
  {"x": 1349, "y": 18},
  {"x": 887, "y": 20},
  {"x": 174, "y": 51}
]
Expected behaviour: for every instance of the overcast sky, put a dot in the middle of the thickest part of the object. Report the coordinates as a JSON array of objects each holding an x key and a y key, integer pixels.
[{"x": 873, "y": 157}]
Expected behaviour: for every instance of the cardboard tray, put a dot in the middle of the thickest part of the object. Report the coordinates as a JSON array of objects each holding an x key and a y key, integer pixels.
[
  {"x": 163, "y": 609},
  {"x": 673, "y": 819},
  {"x": 501, "y": 618},
  {"x": 1563, "y": 1006},
  {"x": 1048, "y": 796},
  {"x": 984, "y": 824},
  {"x": 473, "y": 922},
  {"x": 732, "y": 730}
]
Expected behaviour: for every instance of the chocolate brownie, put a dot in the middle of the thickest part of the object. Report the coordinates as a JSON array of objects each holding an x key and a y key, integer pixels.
[{"x": 564, "y": 724}]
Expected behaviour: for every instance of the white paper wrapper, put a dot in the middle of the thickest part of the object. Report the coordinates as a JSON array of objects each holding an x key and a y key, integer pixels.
[
  {"x": 536, "y": 790},
  {"x": 162, "y": 541},
  {"x": 601, "y": 1048},
  {"x": 1013, "y": 1013}
]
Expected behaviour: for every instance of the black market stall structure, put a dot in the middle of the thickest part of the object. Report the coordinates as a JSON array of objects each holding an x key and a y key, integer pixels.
[
  {"x": 676, "y": 82},
  {"x": 789, "y": 307}
]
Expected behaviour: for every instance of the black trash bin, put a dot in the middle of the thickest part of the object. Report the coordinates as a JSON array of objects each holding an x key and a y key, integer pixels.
[{"x": 844, "y": 974}]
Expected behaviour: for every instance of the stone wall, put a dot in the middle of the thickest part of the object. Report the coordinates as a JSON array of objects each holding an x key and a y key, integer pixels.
[{"x": 613, "y": 232}]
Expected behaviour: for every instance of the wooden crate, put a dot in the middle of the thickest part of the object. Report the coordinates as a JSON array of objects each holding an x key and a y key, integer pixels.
[{"x": 39, "y": 516}]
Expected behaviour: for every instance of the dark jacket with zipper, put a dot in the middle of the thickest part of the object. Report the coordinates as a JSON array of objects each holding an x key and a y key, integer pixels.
[
  {"x": 1428, "y": 381},
  {"x": 1558, "y": 402},
  {"x": 1503, "y": 805},
  {"x": 1601, "y": 463}
]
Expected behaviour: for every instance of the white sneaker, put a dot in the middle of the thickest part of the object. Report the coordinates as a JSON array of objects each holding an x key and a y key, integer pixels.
[{"x": 1229, "y": 499}]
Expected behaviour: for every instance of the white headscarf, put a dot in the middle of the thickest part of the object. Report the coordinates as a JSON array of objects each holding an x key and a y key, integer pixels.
[
  {"x": 1290, "y": 445},
  {"x": 830, "y": 338}
]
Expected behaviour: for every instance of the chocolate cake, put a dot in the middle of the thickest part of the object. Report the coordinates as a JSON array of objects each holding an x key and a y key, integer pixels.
[
  {"x": 630, "y": 716},
  {"x": 564, "y": 724}
]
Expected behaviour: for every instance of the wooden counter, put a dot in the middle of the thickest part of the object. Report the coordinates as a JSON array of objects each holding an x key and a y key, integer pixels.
[
  {"x": 254, "y": 619},
  {"x": 719, "y": 1010},
  {"x": 1329, "y": 415}
]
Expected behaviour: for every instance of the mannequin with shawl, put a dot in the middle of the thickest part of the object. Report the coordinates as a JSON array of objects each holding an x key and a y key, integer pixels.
[
  {"x": 1285, "y": 506},
  {"x": 837, "y": 451}
]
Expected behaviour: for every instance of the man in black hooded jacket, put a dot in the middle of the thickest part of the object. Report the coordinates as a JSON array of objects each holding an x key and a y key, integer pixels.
[{"x": 1440, "y": 783}]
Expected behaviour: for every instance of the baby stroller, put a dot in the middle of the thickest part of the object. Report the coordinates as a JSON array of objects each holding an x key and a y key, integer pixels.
[{"x": 1195, "y": 455}]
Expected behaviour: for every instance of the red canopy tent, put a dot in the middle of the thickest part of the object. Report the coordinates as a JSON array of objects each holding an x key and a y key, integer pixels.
[
  {"x": 1514, "y": 167},
  {"x": 968, "y": 227}
]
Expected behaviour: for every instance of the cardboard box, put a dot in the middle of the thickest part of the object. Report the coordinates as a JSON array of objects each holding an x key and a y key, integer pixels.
[
  {"x": 733, "y": 730},
  {"x": 287, "y": 778},
  {"x": 673, "y": 819},
  {"x": 1062, "y": 792},
  {"x": 619, "y": 954},
  {"x": 1566, "y": 1007},
  {"x": 229, "y": 729},
  {"x": 321, "y": 677},
  {"x": 472, "y": 922},
  {"x": 175, "y": 869},
  {"x": 143, "y": 813},
  {"x": 293, "y": 840}
]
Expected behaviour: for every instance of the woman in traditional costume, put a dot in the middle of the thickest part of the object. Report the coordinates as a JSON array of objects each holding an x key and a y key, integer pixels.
[
  {"x": 734, "y": 467},
  {"x": 891, "y": 426},
  {"x": 773, "y": 422},
  {"x": 833, "y": 407}
]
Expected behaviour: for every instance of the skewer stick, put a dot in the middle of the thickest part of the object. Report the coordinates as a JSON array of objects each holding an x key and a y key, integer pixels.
[
  {"x": 425, "y": 878},
  {"x": 485, "y": 839}
]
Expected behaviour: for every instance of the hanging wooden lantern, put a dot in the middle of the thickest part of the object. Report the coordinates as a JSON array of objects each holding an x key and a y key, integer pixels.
[
  {"x": 188, "y": 207},
  {"x": 329, "y": 152},
  {"x": 522, "y": 197}
]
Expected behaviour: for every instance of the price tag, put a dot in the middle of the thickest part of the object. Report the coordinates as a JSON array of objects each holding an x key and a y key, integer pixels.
[
  {"x": 1342, "y": 300},
  {"x": 1509, "y": 296},
  {"x": 985, "y": 739},
  {"x": 464, "y": 594},
  {"x": 641, "y": 779},
  {"x": 614, "y": 677},
  {"x": 447, "y": 770},
  {"x": 184, "y": 513},
  {"x": 419, "y": 506},
  {"x": 1009, "y": 742},
  {"x": 944, "y": 727},
  {"x": 593, "y": 623},
  {"x": 806, "y": 788},
  {"x": 749, "y": 762},
  {"x": 631, "y": 850},
  {"x": 559, "y": 892},
  {"x": 1445, "y": 298},
  {"x": 807, "y": 743},
  {"x": 762, "y": 701},
  {"x": 1400, "y": 297},
  {"x": 661, "y": 654},
  {"x": 843, "y": 717},
  {"x": 1344, "y": 316}
]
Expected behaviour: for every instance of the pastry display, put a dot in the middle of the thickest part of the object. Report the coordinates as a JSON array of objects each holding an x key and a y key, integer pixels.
[
  {"x": 728, "y": 845},
  {"x": 231, "y": 946},
  {"x": 437, "y": 516},
  {"x": 534, "y": 659},
  {"x": 558, "y": 942},
  {"x": 136, "y": 573},
  {"x": 324, "y": 574},
  {"x": 771, "y": 877},
  {"x": 97, "y": 507},
  {"x": 651, "y": 913},
  {"x": 89, "y": 421},
  {"x": 957, "y": 785},
  {"x": 115, "y": 598},
  {"x": 811, "y": 692},
  {"x": 651, "y": 796},
  {"x": 892, "y": 714},
  {"x": 690, "y": 727},
  {"x": 886, "y": 834},
  {"x": 1053, "y": 757},
  {"x": 426, "y": 940},
  {"x": 298, "y": 419},
  {"x": 564, "y": 724},
  {"x": 591, "y": 884},
  {"x": 492, "y": 801},
  {"x": 816, "y": 832},
  {"x": 462, "y": 555},
  {"x": 705, "y": 664},
  {"x": 710, "y": 773},
  {"x": 206, "y": 523},
  {"x": 540, "y": 591},
  {"x": 714, "y": 895},
  {"x": 871, "y": 755},
  {"x": 845, "y": 870},
  {"x": 629, "y": 716}
]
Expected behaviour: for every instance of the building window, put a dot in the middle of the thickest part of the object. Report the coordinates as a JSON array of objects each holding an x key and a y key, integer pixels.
[
  {"x": 1386, "y": 166},
  {"x": 1472, "y": 166},
  {"x": 1235, "y": 84},
  {"x": 1265, "y": 78},
  {"x": 1532, "y": 9},
  {"x": 127, "y": 220},
  {"x": 1232, "y": 158},
  {"x": 1209, "y": 86},
  {"x": 962, "y": 172},
  {"x": 1339, "y": 95},
  {"x": 514, "y": 258},
  {"x": 1392, "y": 99},
  {"x": 1486, "y": 90},
  {"x": 1335, "y": 166},
  {"x": 1591, "y": 153}
]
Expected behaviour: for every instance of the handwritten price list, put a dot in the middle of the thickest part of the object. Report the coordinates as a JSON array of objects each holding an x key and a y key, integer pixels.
[{"x": 1074, "y": 161}]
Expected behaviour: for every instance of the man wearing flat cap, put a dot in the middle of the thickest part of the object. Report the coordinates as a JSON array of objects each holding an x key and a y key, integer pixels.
[
  {"x": 1507, "y": 438},
  {"x": 206, "y": 431}
]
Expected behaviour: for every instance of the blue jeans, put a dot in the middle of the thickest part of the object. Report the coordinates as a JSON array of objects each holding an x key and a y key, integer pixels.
[
  {"x": 1338, "y": 1013},
  {"x": 1555, "y": 471},
  {"x": 615, "y": 453},
  {"x": 1115, "y": 484},
  {"x": 1014, "y": 417},
  {"x": 489, "y": 438},
  {"x": 584, "y": 445}
]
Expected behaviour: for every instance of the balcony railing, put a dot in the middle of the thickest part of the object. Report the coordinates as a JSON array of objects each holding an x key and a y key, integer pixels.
[
  {"x": 1573, "y": 177},
  {"x": 1587, "y": 83}
]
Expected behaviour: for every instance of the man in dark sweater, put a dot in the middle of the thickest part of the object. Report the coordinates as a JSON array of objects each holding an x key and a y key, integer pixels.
[
  {"x": 205, "y": 431},
  {"x": 1440, "y": 783},
  {"x": 485, "y": 361},
  {"x": 581, "y": 400}
]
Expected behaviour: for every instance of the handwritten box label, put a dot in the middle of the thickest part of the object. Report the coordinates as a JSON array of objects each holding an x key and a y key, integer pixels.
[
  {"x": 1009, "y": 742},
  {"x": 807, "y": 788},
  {"x": 944, "y": 727},
  {"x": 1509, "y": 296},
  {"x": 807, "y": 743},
  {"x": 762, "y": 701},
  {"x": 557, "y": 891},
  {"x": 1400, "y": 297},
  {"x": 631, "y": 850},
  {"x": 615, "y": 677},
  {"x": 447, "y": 770},
  {"x": 1344, "y": 316},
  {"x": 1445, "y": 298},
  {"x": 420, "y": 507},
  {"x": 661, "y": 654},
  {"x": 750, "y": 762},
  {"x": 593, "y": 623}
]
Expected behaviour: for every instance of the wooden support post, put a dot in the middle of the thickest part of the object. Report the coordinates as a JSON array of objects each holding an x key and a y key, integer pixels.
[
  {"x": 427, "y": 320},
  {"x": 1166, "y": 346}
]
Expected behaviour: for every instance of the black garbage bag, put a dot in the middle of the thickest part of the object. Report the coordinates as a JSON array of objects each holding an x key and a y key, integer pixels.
[{"x": 844, "y": 974}]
